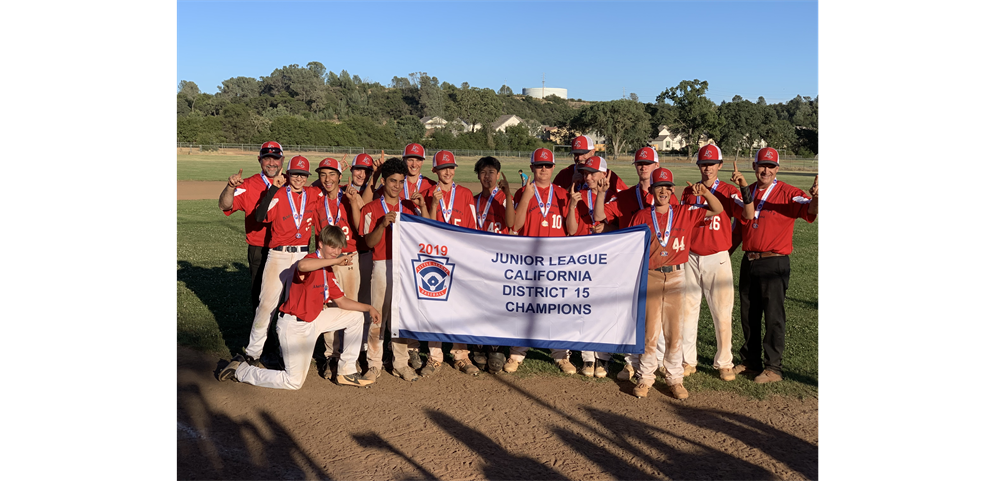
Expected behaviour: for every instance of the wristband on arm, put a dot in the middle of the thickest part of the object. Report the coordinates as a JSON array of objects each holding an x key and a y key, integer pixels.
[{"x": 747, "y": 197}]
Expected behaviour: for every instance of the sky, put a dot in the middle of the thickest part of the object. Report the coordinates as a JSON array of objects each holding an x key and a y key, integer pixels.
[{"x": 595, "y": 50}]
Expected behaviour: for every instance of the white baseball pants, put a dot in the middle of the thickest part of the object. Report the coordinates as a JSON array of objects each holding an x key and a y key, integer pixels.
[{"x": 277, "y": 271}]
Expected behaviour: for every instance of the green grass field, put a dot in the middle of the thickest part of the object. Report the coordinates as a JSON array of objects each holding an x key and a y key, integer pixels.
[{"x": 214, "y": 314}]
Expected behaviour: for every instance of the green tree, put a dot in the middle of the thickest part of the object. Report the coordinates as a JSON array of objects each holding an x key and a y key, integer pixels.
[
  {"x": 409, "y": 129},
  {"x": 695, "y": 115},
  {"x": 742, "y": 120},
  {"x": 240, "y": 88},
  {"x": 623, "y": 123},
  {"x": 505, "y": 90}
]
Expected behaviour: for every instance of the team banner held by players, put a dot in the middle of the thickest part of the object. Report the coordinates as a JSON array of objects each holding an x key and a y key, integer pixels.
[{"x": 585, "y": 293}]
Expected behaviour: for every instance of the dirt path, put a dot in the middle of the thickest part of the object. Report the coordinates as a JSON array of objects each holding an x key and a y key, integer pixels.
[
  {"x": 452, "y": 426},
  {"x": 198, "y": 189}
]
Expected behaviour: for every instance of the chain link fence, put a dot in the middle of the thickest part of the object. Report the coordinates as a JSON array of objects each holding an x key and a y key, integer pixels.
[{"x": 788, "y": 162}]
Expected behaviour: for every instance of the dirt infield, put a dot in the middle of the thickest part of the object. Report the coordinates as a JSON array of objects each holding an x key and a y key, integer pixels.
[
  {"x": 198, "y": 189},
  {"x": 453, "y": 426}
]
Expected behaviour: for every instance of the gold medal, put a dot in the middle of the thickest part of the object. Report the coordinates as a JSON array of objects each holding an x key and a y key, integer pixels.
[{"x": 545, "y": 224}]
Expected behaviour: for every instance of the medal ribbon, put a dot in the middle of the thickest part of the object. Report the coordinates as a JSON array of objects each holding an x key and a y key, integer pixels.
[
  {"x": 265, "y": 179},
  {"x": 298, "y": 217},
  {"x": 756, "y": 214},
  {"x": 324, "y": 273},
  {"x": 448, "y": 213},
  {"x": 386, "y": 210},
  {"x": 664, "y": 238},
  {"x": 487, "y": 208},
  {"x": 338, "y": 212},
  {"x": 697, "y": 198},
  {"x": 417, "y": 186},
  {"x": 549, "y": 201}
]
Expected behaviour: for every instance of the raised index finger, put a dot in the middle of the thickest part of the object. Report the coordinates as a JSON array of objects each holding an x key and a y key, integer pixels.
[{"x": 240, "y": 174}]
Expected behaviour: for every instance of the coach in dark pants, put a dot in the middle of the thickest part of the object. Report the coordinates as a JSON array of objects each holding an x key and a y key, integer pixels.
[
  {"x": 244, "y": 195},
  {"x": 766, "y": 268}
]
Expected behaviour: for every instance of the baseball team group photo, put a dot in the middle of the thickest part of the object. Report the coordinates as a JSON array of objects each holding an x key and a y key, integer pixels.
[{"x": 419, "y": 279}]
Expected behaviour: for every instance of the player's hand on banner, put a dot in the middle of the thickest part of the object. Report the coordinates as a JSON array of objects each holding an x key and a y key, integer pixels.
[
  {"x": 280, "y": 180},
  {"x": 814, "y": 191},
  {"x": 574, "y": 196},
  {"x": 236, "y": 180},
  {"x": 390, "y": 218},
  {"x": 598, "y": 228},
  {"x": 737, "y": 176}
]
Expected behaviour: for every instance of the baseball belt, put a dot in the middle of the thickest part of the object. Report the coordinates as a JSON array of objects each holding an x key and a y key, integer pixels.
[
  {"x": 757, "y": 255},
  {"x": 669, "y": 268},
  {"x": 290, "y": 248}
]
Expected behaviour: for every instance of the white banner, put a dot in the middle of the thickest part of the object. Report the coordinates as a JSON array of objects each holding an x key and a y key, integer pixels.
[{"x": 453, "y": 284}]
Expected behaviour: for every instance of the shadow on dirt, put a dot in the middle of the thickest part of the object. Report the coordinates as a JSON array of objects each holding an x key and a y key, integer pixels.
[{"x": 225, "y": 448}]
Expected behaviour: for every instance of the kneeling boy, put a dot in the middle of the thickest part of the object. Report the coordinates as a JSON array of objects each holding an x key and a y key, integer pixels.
[{"x": 315, "y": 305}]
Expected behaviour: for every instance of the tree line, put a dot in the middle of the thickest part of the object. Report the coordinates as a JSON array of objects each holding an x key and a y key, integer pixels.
[{"x": 312, "y": 106}]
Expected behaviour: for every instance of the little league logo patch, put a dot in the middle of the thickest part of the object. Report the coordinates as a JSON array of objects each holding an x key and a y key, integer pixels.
[{"x": 433, "y": 277}]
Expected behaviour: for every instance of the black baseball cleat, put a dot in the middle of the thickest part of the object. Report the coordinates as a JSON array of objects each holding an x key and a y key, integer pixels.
[{"x": 495, "y": 361}]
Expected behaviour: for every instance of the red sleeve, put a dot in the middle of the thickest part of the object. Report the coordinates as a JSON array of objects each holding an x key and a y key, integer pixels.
[{"x": 799, "y": 205}]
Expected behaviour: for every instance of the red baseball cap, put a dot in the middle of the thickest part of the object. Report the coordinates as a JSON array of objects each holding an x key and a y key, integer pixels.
[
  {"x": 646, "y": 155},
  {"x": 767, "y": 156},
  {"x": 327, "y": 163},
  {"x": 709, "y": 154},
  {"x": 362, "y": 161},
  {"x": 542, "y": 156},
  {"x": 594, "y": 164},
  {"x": 582, "y": 145},
  {"x": 443, "y": 158},
  {"x": 662, "y": 176},
  {"x": 414, "y": 150},
  {"x": 299, "y": 165},
  {"x": 271, "y": 149}
]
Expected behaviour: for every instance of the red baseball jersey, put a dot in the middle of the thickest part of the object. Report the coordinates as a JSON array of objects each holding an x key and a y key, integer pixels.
[
  {"x": 565, "y": 177},
  {"x": 679, "y": 242},
  {"x": 425, "y": 187},
  {"x": 286, "y": 230},
  {"x": 331, "y": 210},
  {"x": 307, "y": 295},
  {"x": 494, "y": 214},
  {"x": 584, "y": 213},
  {"x": 464, "y": 213},
  {"x": 372, "y": 213},
  {"x": 554, "y": 217},
  {"x": 246, "y": 197},
  {"x": 353, "y": 223},
  {"x": 628, "y": 202},
  {"x": 714, "y": 233},
  {"x": 773, "y": 224}
]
